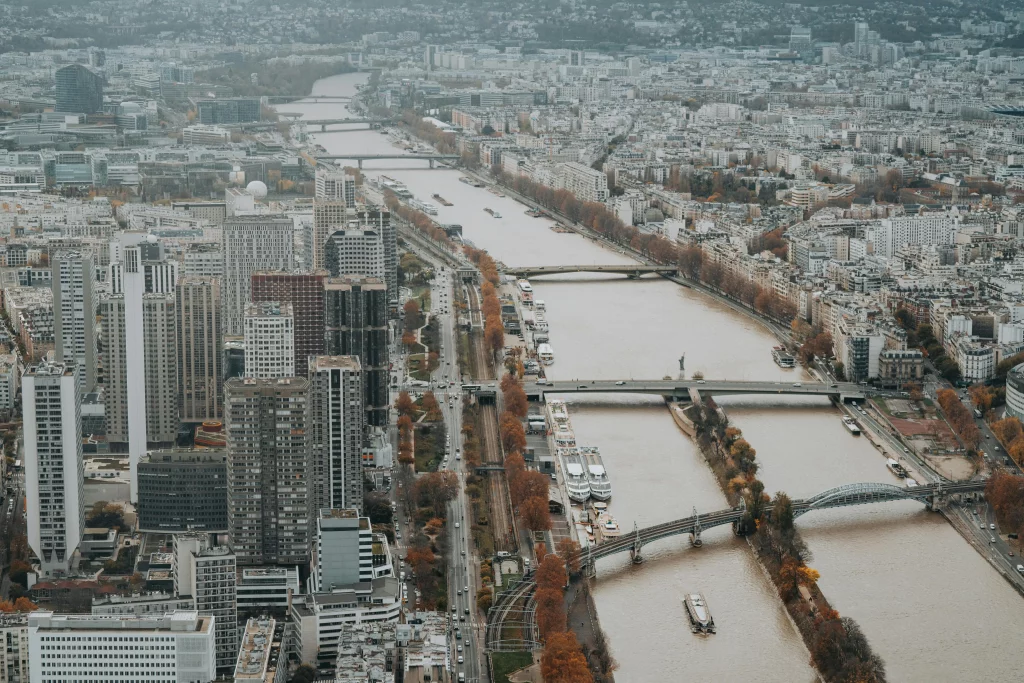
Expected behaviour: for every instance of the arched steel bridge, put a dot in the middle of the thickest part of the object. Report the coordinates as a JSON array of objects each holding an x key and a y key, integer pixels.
[
  {"x": 631, "y": 270},
  {"x": 932, "y": 495}
]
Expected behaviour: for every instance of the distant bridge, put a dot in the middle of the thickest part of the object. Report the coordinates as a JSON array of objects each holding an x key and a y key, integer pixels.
[
  {"x": 679, "y": 389},
  {"x": 630, "y": 270},
  {"x": 308, "y": 98},
  {"x": 323, "y": 123},
  {"x": 360, "y": 158},
  {"x": 506, "y": 604}
]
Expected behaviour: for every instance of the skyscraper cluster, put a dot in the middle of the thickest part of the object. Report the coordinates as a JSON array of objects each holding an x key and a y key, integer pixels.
[{"x": 156, "y": 344}]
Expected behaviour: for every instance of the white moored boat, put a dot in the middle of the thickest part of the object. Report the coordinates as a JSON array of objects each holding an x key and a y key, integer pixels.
[
  {"x": 597, "y": 476},
  {"x": 546, "y": 354}
]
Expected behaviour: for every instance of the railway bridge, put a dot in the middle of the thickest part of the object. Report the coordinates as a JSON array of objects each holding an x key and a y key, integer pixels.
[
  {"x": 630, "y": 270},
  {"x": 934, "y": 496}
]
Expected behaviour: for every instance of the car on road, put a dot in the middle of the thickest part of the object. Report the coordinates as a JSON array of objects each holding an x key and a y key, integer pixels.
[
  {"x": 460, "y": 659},
  {"x": 467, "y": 589},
  {"x": 458, "y": 592},
  {"x": 992, "y": 527},
  {"x": 700, "y": 381},
  {"x": 618, "y": 384},
  {"x": 463, "y": 551},
  {"x": 459, "y": 649},
  {"x": 456, "y": 525}
]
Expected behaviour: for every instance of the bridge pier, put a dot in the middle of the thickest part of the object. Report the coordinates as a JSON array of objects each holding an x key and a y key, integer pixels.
[
  {"x": 359, "y": 163},
  {"x": 637, "y": 547},
  {"x": 431, "y": 162},
  {"x": 323, "y": 127},
  {"x": 695, "y": 534}
]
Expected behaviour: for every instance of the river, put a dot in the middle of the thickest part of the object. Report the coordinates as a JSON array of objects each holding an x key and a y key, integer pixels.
[{"x": 931, "y": 607}]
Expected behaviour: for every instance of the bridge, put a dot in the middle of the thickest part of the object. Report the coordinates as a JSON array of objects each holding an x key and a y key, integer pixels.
[
  {"x": 632, "y": 271},
  {"x": 679, "y": 389},
  {"x": 307, "y": 98},
  {"x": 360, "y": 158},
  {"x": 323, "y": 123},
  {"x": 507, "y": 603},
  {"x": 932, "y": 495}
]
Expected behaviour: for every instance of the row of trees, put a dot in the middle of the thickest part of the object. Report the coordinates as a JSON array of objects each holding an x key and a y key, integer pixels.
[
  {"x": 515, "y": 397},
  {"x": 1005, "y": 492},
  {"x": 528, "y": 490},
  {"x": 696, "y": 265},
  {"x": 1011, "y": 435},
  {"x": 494, "y": 328},
  {"x": 563, "y": 660},
  {"x": 405, "y": 407},
  {"x": 417, "y": 219},
  {"x": 959, "y": 417},
  {"x": 443, "y": 142}
]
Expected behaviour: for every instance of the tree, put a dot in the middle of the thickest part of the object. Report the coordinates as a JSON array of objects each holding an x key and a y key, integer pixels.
[
  {"x": 304, "y": 674},
  {"x": 563, "y": 660},
  {"x": 513, "y": 436},
  {"x": 535, "y": 514},
  {"x": 515, "y": 400},
  {"x": 104, "y": 514},
  {"x": 377, "y": 507},
  {"x": 430, "y": 405},
  {"x": 569, "y": 551},
  {"x": 782, "y": 514},
  {"x": 484, "y": 598},
  {"x": 404, "y": 404},
  {"x": 551, "y": 572},
  {"x": 413, "y": 315},
  {"x": 550, "y": 611}
]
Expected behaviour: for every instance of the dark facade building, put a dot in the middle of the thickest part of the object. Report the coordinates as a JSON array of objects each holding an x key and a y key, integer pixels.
[
  {"x": 357, "y": 325},
  {"x": 305, "y": 292},
  {"x": 183, "y": 490},
  {"x": 79, "y": 90},
  {"x": 229, "y": 110}
]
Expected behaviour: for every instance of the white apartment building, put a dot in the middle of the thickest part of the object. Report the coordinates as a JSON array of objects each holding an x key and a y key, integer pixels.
[
  {"x": 74, "y": 313},
  {"x": 976, "y": 359},
  {"x": 200, "y": 134},
  {"x": 336, "y": 430},
  {"x": 333, "y": 184},
  {"x": 14, "y": 661},
  {"x": 9, "y": 375},
  {"x": 585, "y": 183},
  {"x": 317, "y": 618},
  {"x": 263, "y": 588},
  {"x": 207, "y": 573},
  {"x": 892, "y": 233},
  {"x": 203, "y": 259},
  {"x": 172, "y": 648},
  {"x": 269, "y": 340},
  {"x": 249, "y": 244},
  {"x": 344, "y": 550},
  {"x": 328, "y": 215},
  {"x": 53, "y": 465},
  {"x": 356, "y": 252}
]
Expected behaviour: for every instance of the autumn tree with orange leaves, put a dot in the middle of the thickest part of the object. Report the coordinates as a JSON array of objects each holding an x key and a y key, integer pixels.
[
  {"x": 563, "y": 660},
  {"x": 513, "y": 436}
]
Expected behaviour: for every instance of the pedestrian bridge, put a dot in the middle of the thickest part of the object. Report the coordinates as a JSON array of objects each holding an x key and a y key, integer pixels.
[
  {"x": 679, "y": 389},
  {"x": 632, "y": 271}
]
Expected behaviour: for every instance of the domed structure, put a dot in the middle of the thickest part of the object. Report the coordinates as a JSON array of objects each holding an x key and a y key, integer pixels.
[{"x": 257, "y": 189}]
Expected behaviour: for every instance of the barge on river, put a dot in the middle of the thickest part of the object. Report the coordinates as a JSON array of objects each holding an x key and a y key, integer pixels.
[
  {"x": 782, "y": 357},
  {"x": 700, "y": 615}
]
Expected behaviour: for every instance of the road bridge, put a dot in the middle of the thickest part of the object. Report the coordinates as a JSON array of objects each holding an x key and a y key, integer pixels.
[
  {"x": 308, "y": 98},
  {"x": 323, "y": 123},
  {"x": 632, "y": 271},
  {"x": 679, "y": 389},
  {"x": 360, "y": 158}
]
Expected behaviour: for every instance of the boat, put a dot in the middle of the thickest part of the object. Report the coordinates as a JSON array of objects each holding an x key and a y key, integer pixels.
[
  {"x": 700, "y": 615},
  {"x": 782, "y": 357},
  {"x": 897, "y": 469},
  {"x": 444, "y": 202},
  {"x": 546, "y": 354},
  {"x": 540, "y": 305},
  {"x": 425, "y": 207},
  {"x": 470, "y": 181},
  {"x": 576, "y": 484},
  {"x": 597, "y": 475},
  {"x": 851, "y": 425},
  {"x": 489, "y": 210},
  {"x": 541, "y": 324}
]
